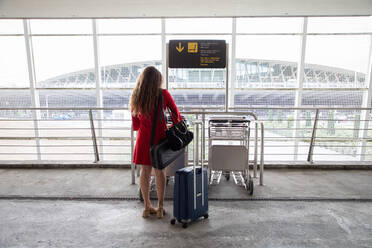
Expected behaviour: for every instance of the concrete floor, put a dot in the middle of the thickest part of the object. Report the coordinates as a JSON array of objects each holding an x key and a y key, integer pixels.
[
  {"x": 116, "y": 183},
  {"x": 333, "y": 218},
  {"x": 231, "y": 224}
]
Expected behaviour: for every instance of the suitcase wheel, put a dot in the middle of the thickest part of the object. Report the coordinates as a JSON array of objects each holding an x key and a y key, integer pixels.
[
  {"x": 250, "y": 188},
  {"x": 249, "y": 185},
  {"x": 206, "y": 216},
  {"x": 173, "y": 221},
  {"x": 184, "y": 225},
  {"x": 227, "y": 176}
]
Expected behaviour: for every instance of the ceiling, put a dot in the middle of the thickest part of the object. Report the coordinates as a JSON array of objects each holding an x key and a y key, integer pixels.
[{"x": 178, "y": 8}]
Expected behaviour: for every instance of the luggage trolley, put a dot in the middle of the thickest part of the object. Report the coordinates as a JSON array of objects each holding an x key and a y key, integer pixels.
[{"x": 228, "y": 148}]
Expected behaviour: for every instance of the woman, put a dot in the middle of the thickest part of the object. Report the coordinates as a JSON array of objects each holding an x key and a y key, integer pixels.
[{"x": 143, "y": 101}]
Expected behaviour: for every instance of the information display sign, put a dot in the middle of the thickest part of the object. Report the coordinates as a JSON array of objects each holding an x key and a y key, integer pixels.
[{"x": 197, "y": 54}]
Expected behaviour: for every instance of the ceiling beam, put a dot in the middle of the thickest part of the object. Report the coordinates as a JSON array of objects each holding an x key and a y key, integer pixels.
[{"x": 177, "y": 8}]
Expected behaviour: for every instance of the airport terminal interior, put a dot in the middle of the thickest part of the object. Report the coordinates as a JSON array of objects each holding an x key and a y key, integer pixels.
[{"x": 278, "y": 98}]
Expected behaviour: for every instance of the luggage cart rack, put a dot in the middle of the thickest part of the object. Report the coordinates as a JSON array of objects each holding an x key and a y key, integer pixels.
[{"x": 232, "y": 156}]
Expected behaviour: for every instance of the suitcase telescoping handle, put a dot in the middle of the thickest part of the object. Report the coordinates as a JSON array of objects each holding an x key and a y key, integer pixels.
[{"x": 198, "y": 123}]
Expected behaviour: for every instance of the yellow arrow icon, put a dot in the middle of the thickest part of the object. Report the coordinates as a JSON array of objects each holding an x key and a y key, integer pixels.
[{"x": 180, "y": 48}]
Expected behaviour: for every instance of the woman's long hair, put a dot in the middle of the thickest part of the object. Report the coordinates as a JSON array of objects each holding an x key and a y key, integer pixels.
[{"x": 145, "y": 95}]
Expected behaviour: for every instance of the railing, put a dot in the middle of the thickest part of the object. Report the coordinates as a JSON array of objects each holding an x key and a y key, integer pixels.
[{"x": 104, "y": 134}]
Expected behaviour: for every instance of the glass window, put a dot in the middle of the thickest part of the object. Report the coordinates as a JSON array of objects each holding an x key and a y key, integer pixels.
[
  {"x": 193, "y": 98},
  {"x": 339, "y": 24},
  {"x": 13, "y": 62},
  {"x": 61, "y": 26},
  {"x": 63, "y": 60},
  {"x": 68, "y": 98},
  {"x": 206, "y": 76},
  {"x": 336, "y": 61},
  {"x": 266, "y": 61},
  {"x": 15, "y": 99},
  {"x": 124, "y": 57},
  {"x": 199, "y": 25},
  {"x": 265, "y": 98},
  {"x": 269, "y": 25},
  {"x": 194, "y": 76},
  {"x": 129, "y": 26},
  {"x": 197, "y": 78},
  {"x": 332, "y": 98},
  {"x": 116, "y": 98},
  {"x": 11, "y": 26}
]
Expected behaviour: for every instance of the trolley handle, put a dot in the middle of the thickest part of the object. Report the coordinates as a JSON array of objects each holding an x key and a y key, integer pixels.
[{"x": 196, "y": 160}]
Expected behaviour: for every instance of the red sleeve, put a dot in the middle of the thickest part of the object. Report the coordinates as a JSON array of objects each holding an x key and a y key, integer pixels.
[
  {"x": 169, "y": 102},
  {"x": 135, "y": 123}
]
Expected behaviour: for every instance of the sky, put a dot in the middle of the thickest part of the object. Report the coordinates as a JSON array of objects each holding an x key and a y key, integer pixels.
[{"x": 58, "y": 55}]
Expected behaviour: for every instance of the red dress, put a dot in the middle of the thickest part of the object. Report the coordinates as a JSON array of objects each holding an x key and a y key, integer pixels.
[{"x": 144, "y": 126}]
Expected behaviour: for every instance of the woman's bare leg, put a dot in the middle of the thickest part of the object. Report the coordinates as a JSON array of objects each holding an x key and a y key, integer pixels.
[
  {"x": 160, "y": 186},
  {"x": 145, "y": 185}
]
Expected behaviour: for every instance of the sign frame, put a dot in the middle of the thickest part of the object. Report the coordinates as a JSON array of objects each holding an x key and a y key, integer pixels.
[
  {"x": 197, "y": 53},
  {"x": 226, "y": 68}
]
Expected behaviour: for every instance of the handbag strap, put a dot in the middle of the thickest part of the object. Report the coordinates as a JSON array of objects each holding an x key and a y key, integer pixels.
[
  {"x": 160, "y": 104},
  {"x": 172, "y": 114}
]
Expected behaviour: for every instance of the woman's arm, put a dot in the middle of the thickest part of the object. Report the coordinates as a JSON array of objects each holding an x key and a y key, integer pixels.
[
  {"x": 135, "y": 123},
  {"x": 176, "y": 116}
]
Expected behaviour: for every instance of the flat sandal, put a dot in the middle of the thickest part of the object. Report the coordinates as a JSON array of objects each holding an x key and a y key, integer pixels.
[
  {"x": 160, "y": 212},
  {"x": 147, "y": 212}
]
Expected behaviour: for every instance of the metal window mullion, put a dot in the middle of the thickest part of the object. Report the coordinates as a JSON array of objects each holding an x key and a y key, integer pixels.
[
  {"x": 163, "y": 50},
  {"x": 31, "y": 74},
  {"x": 227, "y": 80},
  {"x": 300, "y": 82},
  {"x": 233, "y": 63},
  {"x": 367, "y": 98},
  {"x": 97, "y": 69}
]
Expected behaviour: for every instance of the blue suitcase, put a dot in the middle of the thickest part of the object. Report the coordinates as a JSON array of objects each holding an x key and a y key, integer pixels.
[
  {"x": 186, "y": 209},
  {"x": 190, "y": 201}
]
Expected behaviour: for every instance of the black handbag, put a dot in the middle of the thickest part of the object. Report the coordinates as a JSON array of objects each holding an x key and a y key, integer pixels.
[
  {"x": 161, "y": 154},
  {"x": 178, "y": 135}
]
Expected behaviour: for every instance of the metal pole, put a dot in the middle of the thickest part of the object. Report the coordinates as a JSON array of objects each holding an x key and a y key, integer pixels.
[
  {"x": 300, "y": 84},
  {"x": 248, "y": 144},
  {"x": 195, "y": 158},
  {"x": 164, "y": 52},
  {"x": 209, "y": 156},
  {"x": 167, "y": 66},
  {"x": 202, "y": 158},
  {"x": 132, "y": 167},
  {"x": 262, "y": 156},
  {"x": 233, "y": 63},
  {"x": 96, "y": 155},
  {"x": 34, "y": 94},
  {"x": 98, "y": 79},
  {"x": 227, "y": 79},
  {"x": 311, "y": 148},
  {"x": 367, "y": 99},
  {"x": 197, "y": 138},
  {"x": 203, "y": 138},
  {"x": 255, "y": 150}
]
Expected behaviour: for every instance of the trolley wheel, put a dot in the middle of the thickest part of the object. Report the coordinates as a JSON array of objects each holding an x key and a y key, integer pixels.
[
  {"x": 173, "y": 221},
  {"x": 206, "y": 216},
  {"x": 184, "y": 225},
  {"x": 227, "y": 176},
  {"x": 140, "y": 195}
]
